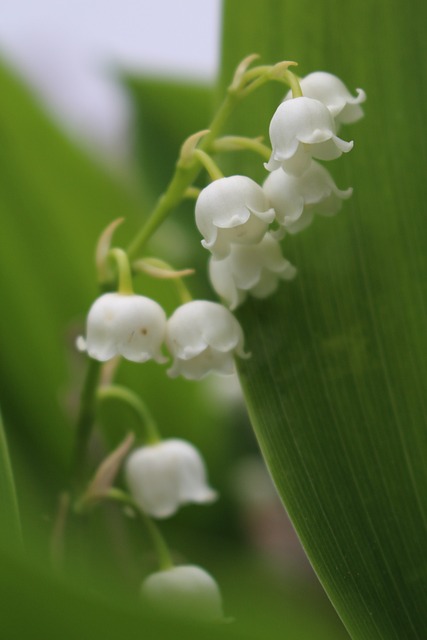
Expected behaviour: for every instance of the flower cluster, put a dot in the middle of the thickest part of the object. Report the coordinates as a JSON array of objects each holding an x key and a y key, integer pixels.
[
  {"x": 234, "y": 214},
  {"x": 242, "y": 224},
  {"x": 201, "y": 336}
]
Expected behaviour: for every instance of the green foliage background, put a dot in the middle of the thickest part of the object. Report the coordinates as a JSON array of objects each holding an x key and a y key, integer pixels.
[{"x": 336, "y": 384}]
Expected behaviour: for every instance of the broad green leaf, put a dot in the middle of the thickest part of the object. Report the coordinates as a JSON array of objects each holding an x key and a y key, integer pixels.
[
  {"x": 10, "y": 532},
  {"x": 166, "y": 112},
  {"x": 336, "y": 386},
  {"x": 54, "y": 201}
]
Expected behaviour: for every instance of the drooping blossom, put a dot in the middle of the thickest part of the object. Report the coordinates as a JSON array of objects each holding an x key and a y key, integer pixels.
[
  {"x": 166, "y": 475},
  {"x": 232, "y": 210},
  {"x": 131, "y": 326},
  {"x": 250, "y": 269},
  {"x": 187, "y": 591},
  {"x": 332, "y": 92},
  {"x": 203, "y": 336},
  {"x": 297, "y": 199},
  {"x": 302, "y": 129}
]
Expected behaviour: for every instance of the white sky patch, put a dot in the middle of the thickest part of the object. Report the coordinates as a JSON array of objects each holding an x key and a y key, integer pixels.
[{"x": 69, "y": 51}]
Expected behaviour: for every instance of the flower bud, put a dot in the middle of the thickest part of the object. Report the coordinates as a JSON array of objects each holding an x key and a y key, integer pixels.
[
  {"x": 165, "y": 475},
  {"x": 203, "y": 336},
  {"x": 333, "y": 93},
  {"x": 301, "y": 129},
  {"x": 187, "y": 591},
  {"x": 297, "y": 199},
  {"x": 132, "y": 326},
  {"x": 232, "y": 210},
  {"x": 254, "y": 269}
]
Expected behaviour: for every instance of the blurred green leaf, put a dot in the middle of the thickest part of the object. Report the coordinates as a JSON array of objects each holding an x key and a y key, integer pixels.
[
  {"x": 57, "y": 608},
  {"x": 54, "y": 201},
  {"x": 11, "y": 533},
  {"x": 336, "y": 386},
  {"x": 166, "y": 113}
]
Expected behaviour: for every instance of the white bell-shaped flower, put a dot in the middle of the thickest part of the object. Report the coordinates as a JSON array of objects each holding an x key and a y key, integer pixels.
[
  {"x": 254, "y": 269},
  {"x": 132, "y": 326},
  {"x": 232, "y": 210},
  {"x": 297, "y": 199},
  {"x": 301, "y": 129},
  {"x": 187, "y": 591},
  {"x": 165, "y": 475},
  {"x": 203, "y": 336},
  {"x": 330, "y": 90}
]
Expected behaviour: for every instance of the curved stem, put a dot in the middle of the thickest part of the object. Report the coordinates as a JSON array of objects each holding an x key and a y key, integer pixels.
[
  {"x": 183, "y": 178},
  {"x": 294, "y": 85},
  {"x": 209, "y": 164},
  {"x": 125, "y": 274},
  {"x": 159, "y": 543},
  {"x": 160, "y": 269},
  {"x": 85, "y": 419},
  {"x": 123, "y": 394},
  {"x": 235, "y": 143}
]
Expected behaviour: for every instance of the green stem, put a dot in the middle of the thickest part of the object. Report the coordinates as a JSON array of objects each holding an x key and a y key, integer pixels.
[
  {"x": 160, "y": 269},
  {"x": 209, "y": 164},
  {"x": 192, "y": 193},
  {"x": 85, "y": 419},
  {"x": 233, "y": 143},
  {"x": 294, "y": 85},
  {"x": 125, "y": 285},
  {"x": 119, "y": 392},
  {"x": 159, "y": 543},
  {"x": 183, "y": 178},
  {"x": 183, "y": 291}
]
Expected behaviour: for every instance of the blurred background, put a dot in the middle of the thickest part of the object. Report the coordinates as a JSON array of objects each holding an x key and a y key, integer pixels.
[
  {"x": 70, "y": 54},
  {"x": 94, "y": 104}
]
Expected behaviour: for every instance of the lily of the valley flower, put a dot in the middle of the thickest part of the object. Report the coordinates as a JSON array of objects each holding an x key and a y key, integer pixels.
[
  {"x": 165, "y": 475},
  {"x": 132, "y": 326},
  {"x": 203, "y": 336},
  {"x": 330, "y": 90},
  {"x": 255, "y": 269},
  {"x": 301, "y": 129},
  {"x": 187, "y": 591},
  {"x": 297, "y": 199},
  {"x": 232, "y": 210}
]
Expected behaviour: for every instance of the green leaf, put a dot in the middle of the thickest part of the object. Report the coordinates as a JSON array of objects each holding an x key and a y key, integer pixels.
[
  {"x": 166, "y": 113},
  {"x": 54, "y": 201},
  {"x": 11, "y": 533},
  {"x": 336, "y": 386},
  {"x": 69, "y": 610}
]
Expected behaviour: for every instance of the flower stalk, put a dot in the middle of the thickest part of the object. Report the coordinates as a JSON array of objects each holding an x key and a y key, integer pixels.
[
  {"x": 161, "y": 548},
  {"x": 127, "y": 396},
  {"x": 85, "y": 420}
]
